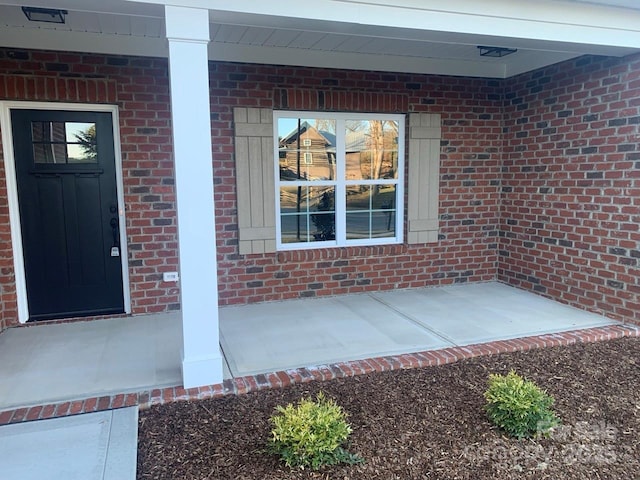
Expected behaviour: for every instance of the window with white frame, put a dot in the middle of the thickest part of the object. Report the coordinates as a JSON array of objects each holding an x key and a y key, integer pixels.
[{"x": 339, "y": 179}]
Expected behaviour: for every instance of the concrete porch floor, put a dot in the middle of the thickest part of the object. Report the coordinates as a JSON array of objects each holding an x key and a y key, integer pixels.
[
  {"x": 54, "y": 363},
  {"x": 284, "y": 335},
  {"x": 45, "y": 364}
]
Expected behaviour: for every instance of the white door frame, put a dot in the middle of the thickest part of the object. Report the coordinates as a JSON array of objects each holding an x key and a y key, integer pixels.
[{"x": 12, "y": 192}]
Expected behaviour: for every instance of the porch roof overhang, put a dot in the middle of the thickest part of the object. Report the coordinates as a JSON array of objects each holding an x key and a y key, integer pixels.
[{"x": 410, "y": 36}]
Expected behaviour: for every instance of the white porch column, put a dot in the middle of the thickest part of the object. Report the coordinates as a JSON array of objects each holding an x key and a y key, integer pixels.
[{"x": 188, "y": 35}]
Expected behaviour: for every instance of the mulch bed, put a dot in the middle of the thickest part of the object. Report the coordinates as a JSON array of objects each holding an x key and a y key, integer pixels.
[{"x": 425, "y": 423}]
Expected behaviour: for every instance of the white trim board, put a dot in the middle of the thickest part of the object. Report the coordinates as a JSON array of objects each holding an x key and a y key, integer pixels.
[{"x": 12, "y": 192}]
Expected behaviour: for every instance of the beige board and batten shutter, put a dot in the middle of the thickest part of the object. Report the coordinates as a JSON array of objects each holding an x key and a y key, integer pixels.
[
  {"x": 255, "y": 180},
  {"x": 424, "y": 177}
]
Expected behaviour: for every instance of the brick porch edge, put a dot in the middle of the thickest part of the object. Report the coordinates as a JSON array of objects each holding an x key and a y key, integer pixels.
[{"x": 280, "y": 379}]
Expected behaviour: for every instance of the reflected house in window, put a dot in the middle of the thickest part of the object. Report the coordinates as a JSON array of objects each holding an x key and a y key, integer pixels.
[
  {"x": 370, "y": 152},
  {"x": 338, "y": 178},
  {"x": 308, "y": 153}
]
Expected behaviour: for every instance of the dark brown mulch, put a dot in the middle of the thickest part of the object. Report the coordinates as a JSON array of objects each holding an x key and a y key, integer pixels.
[{"x": 422, "y": 424}]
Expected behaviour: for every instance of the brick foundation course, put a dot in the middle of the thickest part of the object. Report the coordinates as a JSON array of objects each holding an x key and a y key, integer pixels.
[{"x": 281, "y": 379}]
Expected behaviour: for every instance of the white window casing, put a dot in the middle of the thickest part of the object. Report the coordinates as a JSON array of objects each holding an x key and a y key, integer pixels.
[{"x": 340, "y": 183}]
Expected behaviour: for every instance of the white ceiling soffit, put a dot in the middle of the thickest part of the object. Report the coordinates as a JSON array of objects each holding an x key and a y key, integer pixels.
[
  {"x": 85, "y": 32},
  {"x": 138, "y": 29},
  {"x": 422, "y": 36},
  {"x": 338, "y": 50},
  {"x": 552, "y": 20}
]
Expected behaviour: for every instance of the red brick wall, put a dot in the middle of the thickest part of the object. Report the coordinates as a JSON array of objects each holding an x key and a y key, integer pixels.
[
  {"x": 139, "y": 86},
  {"x": 470, "y": 174},
  {"x": 570, "y": 214},
  {"x": 566, "y": 202}
]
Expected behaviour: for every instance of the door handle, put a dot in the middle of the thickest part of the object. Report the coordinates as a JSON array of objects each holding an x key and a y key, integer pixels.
[
  {"x": 114, "y": 230},
  {"x": 115, "y": 249}
]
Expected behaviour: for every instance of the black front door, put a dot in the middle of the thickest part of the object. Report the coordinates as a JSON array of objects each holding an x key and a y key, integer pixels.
[{"x": 65, "y": 169}]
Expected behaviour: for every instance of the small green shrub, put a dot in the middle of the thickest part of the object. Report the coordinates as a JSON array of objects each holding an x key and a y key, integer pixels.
[
  {"x": 519, "y": 406},
  {"x": 311, "y": 434}
]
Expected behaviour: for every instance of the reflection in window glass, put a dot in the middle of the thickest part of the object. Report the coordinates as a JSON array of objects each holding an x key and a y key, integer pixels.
[
  {"x": 295, "y": 228},
  {"x": 307, "y": 149},
  {"x": 358, "y": 225},
  {"x": 307, "y": 214},
  {"x": 49, "y": 153},
  {"x": 371, "y": 149},
  {"x": 64, "y": 142},
  {"x": 367, "y": 225},
  {"x": 293, "y": 199},
  {"x": 370, "y": 211},
  {"x": 383, "y": 224},
  {"x": 358, "y": 197},
  {"x": 48, "y": 132},
  {"x": 338, "y": 178}
]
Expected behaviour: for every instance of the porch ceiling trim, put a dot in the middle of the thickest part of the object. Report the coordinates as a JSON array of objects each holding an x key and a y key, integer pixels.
[
  {"x": 557, "y": 21},
  {"x": 408, "y": 36}
]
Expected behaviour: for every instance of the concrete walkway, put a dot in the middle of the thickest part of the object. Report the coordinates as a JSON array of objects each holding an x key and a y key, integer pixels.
[
  {"x": 93, "y": 446},
  {"x": 46, "y": 364}
]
